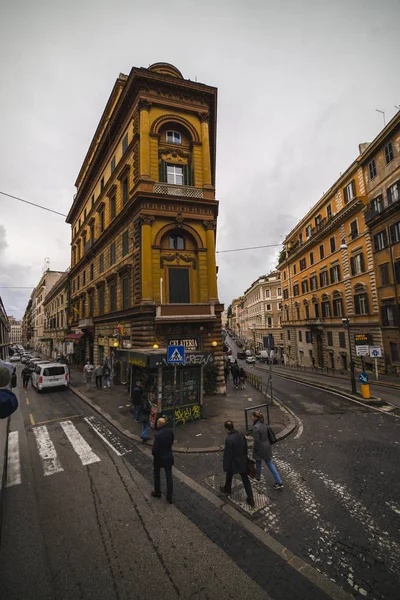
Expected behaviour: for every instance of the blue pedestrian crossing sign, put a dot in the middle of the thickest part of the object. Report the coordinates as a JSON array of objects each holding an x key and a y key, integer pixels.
[
  {"x": 363, "y": 378},
  {"x": 176, "y": 355}
]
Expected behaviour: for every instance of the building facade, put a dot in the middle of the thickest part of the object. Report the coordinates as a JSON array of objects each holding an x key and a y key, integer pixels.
[
  {"x": 27, "y": 324},
  {"x": 143, "y": 222},
  {"x": 263, "y": 305},
  {"x": 39, "y": 341},
  {"x": 327, "y": 271},
  {"x": 56, "y": 319},
  {"x": 4, "y": 332},
  {"x": 381, "y": 166},
  {"x": 15, "y": 330}
]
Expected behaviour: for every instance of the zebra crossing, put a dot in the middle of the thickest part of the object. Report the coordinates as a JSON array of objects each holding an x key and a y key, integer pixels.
[{"x": 46, "y": 448}]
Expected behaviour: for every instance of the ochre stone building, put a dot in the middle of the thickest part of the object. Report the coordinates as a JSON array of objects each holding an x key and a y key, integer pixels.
[{"x": 143, "y": 270}]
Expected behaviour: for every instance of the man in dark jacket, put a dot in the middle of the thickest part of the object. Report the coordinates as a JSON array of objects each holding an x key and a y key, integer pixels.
[
  {"x": 136, "y": 400},
  {"x": 235, "y": 461},
  {"x": 26, "y": 375},
  {"x": 163, "y": 458},
  {"x": 145, "y": 409},
  {"x": 235, "y": 374}
]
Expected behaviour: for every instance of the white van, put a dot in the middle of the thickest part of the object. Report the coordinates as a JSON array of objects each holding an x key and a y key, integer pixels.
[{"x": 50, "y": 375}]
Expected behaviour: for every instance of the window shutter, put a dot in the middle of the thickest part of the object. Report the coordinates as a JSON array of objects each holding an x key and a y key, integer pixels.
[
  {"x": 357, "y": 304},
  {"x": 384, "y": 316},
  {"x": 385, "y": 240},
  {"x": 353, "y": 187},
  {"x": 320, "y": 280},
  {"x": 366, "y": 304},
  {"x": 352, "y": 265},
  {"x": 186, "y": 175},
  {"x": 331, "y": 271},
  {"x": 338, "y": 273},
  {"x": 362, "y": 265},
  {"x": 163, "y": 171}
]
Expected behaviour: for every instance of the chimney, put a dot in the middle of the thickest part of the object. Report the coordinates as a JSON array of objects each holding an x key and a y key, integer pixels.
[{"x": 362, "y": 147}]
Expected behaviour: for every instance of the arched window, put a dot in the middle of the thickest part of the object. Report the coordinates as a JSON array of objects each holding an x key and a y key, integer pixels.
[
  {"x": 176, "y": 242},
  {"x": 173, "y": 137}
]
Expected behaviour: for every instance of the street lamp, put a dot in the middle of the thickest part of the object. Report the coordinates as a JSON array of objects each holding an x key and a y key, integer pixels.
[{"x": 346, "y": 325}]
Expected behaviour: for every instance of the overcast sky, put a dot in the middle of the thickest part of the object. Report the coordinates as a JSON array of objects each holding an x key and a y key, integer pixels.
[{"x": 298, "y": 84}]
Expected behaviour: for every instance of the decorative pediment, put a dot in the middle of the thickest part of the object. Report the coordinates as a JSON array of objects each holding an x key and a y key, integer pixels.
[
  {"x": 174, "y": 154},
  {"x": 177, "y": 258}
]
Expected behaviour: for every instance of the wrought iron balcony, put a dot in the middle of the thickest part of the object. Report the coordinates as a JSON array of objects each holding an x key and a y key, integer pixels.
[
  {"x": 177, "y": 190},
  {"x": 380, "y": 206}
]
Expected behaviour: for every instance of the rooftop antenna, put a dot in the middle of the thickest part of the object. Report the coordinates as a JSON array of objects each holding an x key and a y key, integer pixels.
[
  {"x": 383, "y": 114},
  {"x": 46, "y": 266}
]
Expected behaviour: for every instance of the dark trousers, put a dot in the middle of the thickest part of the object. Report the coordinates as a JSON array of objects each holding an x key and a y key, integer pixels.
[
  {"x": 25, "y": 381},
  {"x": 99, "y": 381},
  {"x": 246, "y": 484},
  {"x": 157, "y": 480}
]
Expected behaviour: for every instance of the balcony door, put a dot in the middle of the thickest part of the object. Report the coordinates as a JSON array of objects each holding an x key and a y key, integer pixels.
[{"x": 179, "y": 292}]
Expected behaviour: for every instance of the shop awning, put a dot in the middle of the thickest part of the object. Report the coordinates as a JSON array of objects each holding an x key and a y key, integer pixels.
[{"x": 73, "y": 336}]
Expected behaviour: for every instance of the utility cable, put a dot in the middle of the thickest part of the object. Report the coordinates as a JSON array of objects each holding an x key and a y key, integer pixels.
[
  {"x": 33, "y": 204},
  {"x": 250, "y": 248}
]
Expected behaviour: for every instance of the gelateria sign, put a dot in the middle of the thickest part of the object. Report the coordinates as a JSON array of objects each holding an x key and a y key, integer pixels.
[{"x": 190, "y": 344}]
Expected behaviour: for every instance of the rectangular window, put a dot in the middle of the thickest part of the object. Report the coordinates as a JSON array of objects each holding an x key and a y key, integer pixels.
[
  {"x": 308, "y": 337},
  {"x": 125, "y": 144},
  {"x": 102, "y": 221},
  {"x": 125, "y": 292},
  {"x": 335, "y": 274},
  {"x": 329, "y": 211},
  {"x": 357, "y": 264},
  {"x": 311, "y": 258},
  {"x": 332, "y": 243},
  {"x": 113, "y": 297},
  {"x": 294, "y": 269},
  {"x": 308, "y": 231},
  {"x": 279, "y": 292},
  {"x": 372, "y": 169},
  {"x": 78, "y": 284},
  {"x": 342, "y": 339},
  {"x": 125, "y": 193},
  {"x": 307, "y": 311},
  {"x": 112, "y": 254},
  {"x": 179, "y": 285},
  {"x": 84, "y": 278},
  {"x": 267, "y": 293},
  {"x": 321, "y": 251},
  {"x": 395, "y": 233},
  {"x": 175, "y": 174},
  {"x": 91, "y": 298},
  {"x": 304, "y": 286},
  {"x": 318, "y": 220},
  {"x": 101, "y": 263},
  {"x": 390, "y": 315},
  {"x": 302, "y": 264},
  {"x": 389, "y": 155},
  {"x": 380, "y": 240},
  {"x": 269, "y": 321},
  {"x": 384, "y": 274},
  {"x": 113, "y": 163},
  {"x": 300, "y": 336},
  {"x": 330, "y": 338},
  {"x": 102, "y": 184},
  {"x": 393, "y": 193},
  {"x": 298, "y": 313},
  {"x": 361, "y": 304},
  {"x": 349, "y": 192},
  {"x": 173, "y": 137},
  {"x": 313, "y": 283},
  {"x": 394, "y": 351},
  {"x": 397, "y": 271},
  {"x": 353, "y": 229},
  {"x": 84, "y": 214},
  {"x": 300, "y": 239},
  {"x": 100, "y": 298},
  {"x": 288, "y": 334},
  {"x": 337, "y": 307},
  {"x": 296, "y": 289},
  {"x": 285, "y": 294},
  {"x": 125, "y": 243},
  {"x": 92, "y": 200},
  {"x": 316, "y": 310},
  {"x": 91, "y": 270},
  {"x": 326, "y": 309},
  {"x": 113, "y": 210},
  {"x": 323, "y": 278}
]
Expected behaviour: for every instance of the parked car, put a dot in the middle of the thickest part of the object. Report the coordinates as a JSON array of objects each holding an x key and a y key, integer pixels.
[
  {"x": 50, "y": 375},
  {"x": 26, "y": 358},
  {"x": 250, "y": 359},
  {"x": 35, "y": 361},
  {"x": 231, "y": 360},
  {"x": 241, "y": 354},
  {"x": 15, "y": 358}
]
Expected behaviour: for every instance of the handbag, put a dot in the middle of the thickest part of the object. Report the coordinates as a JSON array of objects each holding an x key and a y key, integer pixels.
[
  {"x": 271, "y": 436},
  {"x": 251, "y": 468}
]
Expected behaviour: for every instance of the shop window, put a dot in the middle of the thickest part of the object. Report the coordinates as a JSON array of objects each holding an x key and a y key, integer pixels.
[
  {"x": 179, "y": 285},
  {"x": 177, "y": 242}
]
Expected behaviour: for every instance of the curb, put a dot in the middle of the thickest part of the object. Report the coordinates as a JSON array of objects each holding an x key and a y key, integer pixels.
[
  {"x": 292, "y": 420},
  {"x": 181, "y": 449}
]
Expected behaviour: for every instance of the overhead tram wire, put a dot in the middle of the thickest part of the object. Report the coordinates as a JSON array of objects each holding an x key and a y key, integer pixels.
[
  {"x": 250, "y": 248},
  {"x": 33, "y": 204}
]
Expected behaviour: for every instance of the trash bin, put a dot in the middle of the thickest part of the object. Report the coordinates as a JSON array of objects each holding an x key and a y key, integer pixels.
[{"x": 365, "y": 391}]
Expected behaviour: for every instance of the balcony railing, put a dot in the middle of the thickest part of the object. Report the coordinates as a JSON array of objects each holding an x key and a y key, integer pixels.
[
  {"x": 177, "y": 190},
  {"x": 379, "y": 207},
  {"x": 183, "y": 312}
]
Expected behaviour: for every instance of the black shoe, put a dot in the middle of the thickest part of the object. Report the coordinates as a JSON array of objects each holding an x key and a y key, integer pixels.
[
  {"x": 250, "y": 501},
  {"x": 156, "y": 494},
  {"x": 170, "y": 500},
  {"x": 278, "y": 486},
  {"x": 223, "y": 490}
]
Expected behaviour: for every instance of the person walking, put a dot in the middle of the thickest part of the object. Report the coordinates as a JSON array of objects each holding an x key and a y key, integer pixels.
[
  {"x": 87, "y": 371},
  {"x": 226, "y": 373},
  {"x": 106, "y": 375},
  {"x": 262, "y": 449},
  {"x": 26, "y": 375},
  {"x": 242, "y": 378},
  {"x": 235, "y": 374},
  {"x": 98, "y": 372},
  {"x": 163, "y": 458},
  {"x": 145, "y": 418},
  {"x": 235, "y": 461},
  {"x": 136, "y": 400}
]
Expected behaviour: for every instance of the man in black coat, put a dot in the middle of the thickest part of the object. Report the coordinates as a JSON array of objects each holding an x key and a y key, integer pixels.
[
  {"x": 235, "y": 461},
  {"x": 137, "y": 394},
  {"x": 163, "y": 458}
]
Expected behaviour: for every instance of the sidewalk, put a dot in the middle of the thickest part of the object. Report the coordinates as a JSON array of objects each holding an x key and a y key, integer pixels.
[
  {"x": 206, "y": 435},
  {"x": 389, "y": 381}
]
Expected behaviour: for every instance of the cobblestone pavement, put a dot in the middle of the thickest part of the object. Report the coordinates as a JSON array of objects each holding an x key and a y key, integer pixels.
[{"x": 340, "y": 506}]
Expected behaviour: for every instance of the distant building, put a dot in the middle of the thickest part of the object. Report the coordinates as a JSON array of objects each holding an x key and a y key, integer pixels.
[
  {"x": 55, "y": 307},
  {"x": 4, "y": 332},
  {"x": 39, "y": 341},
  {"x": 15, "y": 330}
]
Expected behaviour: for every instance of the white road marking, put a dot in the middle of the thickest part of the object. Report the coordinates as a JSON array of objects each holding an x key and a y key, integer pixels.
[
  {"x": 79, "y": 444},
  {"x": 388, "y": 548},
  {"x": 107, "y": 436},
  {"x": 13, "y": 460},
  {"x": 300, "y": 430},
  {"x": 395, "y": 507},
  {"x": 47, "y": 451}
]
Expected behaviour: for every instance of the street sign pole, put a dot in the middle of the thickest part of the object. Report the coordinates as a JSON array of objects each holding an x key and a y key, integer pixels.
[
  {"x": 376, "y": 369},
  {"x": 175, "y": 356},
  {"x": 174, "y": 405}
]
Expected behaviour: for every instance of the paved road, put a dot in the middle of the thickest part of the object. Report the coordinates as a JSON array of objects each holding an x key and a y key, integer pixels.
[
  {"x": 79, "y": 521},
  {"x": 340, "y": 508}
]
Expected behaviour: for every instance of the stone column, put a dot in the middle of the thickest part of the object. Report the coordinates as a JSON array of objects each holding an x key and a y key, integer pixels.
[
  {"x": 211, "y": 263},
  {"x": 146, "y": 255},
  {"x": 205, "y": 149},
  {"x": 144, "y": 128}
]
